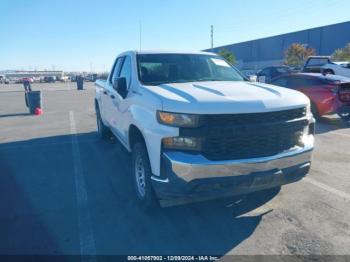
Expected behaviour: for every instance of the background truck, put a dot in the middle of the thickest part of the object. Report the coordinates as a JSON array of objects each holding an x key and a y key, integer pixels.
[
  {"x": 324, "y": 65},
  {"x": 197, "y": 129}
]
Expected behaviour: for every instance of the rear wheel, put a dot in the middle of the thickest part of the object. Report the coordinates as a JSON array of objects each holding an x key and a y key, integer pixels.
[
  {"x": 103, "y": 131},
  {"x": 142, "y": 177},
  {"x": 328, "y": 72}
]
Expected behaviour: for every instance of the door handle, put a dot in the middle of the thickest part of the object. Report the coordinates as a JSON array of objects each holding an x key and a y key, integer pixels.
[{"x": 112, "y": 96}]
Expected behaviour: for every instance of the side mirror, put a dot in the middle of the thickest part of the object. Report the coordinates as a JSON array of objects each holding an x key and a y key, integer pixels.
[
  {"x": 253, "y": 78},
  {"x": 119, "y": 85}
]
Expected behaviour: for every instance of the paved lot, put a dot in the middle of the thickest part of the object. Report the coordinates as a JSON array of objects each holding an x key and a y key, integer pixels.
[{"x": 62, "y": 191}]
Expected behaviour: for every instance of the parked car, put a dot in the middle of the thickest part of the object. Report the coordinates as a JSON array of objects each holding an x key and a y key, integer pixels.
[
  {"x": 63, "y": 79},
  {"x": 73, "y": 78},
  {"x": 49, "y": 79},
  {"x": 328, "y": 93},
  {"x": 324, "y": 65},
  {"x": 267, "y": 74},
  {"x": 36, "y": 79},
  {"x": 197, "y": 129},
  {"x": 4, "y": 80},
  {"x": 91, "y": 78}
]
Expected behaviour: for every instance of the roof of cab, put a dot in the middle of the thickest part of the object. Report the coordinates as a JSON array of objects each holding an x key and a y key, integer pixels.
[{"x": 144, "y": 52}]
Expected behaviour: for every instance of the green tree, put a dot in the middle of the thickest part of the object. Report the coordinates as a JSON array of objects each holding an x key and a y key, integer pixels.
[
  {"x": 342, "y": 54},
  {"x": 296, "y": 54},
  {"x": 229, "y": 56}
]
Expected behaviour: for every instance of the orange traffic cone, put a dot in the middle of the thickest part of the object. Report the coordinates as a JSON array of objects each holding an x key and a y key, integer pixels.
[{"x": 38, "y": 111}]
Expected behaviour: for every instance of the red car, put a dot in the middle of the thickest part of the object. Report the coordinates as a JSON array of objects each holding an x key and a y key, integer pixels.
[{"x": 328, "y": 93}]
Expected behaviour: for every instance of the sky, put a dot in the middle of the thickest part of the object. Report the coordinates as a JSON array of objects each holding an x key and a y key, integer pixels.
[{"x": 84, "y": 35}]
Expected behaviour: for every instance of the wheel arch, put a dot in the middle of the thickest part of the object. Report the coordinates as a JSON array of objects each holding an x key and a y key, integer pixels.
[
  {"x": 135, "y": 135},
  {"x": 97, "y": 106}
]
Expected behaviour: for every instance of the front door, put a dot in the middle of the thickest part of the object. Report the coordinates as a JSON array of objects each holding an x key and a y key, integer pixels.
[
  {"x": 108, "y": 92},
  {"x": 117, "y": 101}
]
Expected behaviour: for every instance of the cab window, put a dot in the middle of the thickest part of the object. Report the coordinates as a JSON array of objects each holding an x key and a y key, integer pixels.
[
  {"x": 126, "y": 70},
  {"x": 116, "y": 68}
]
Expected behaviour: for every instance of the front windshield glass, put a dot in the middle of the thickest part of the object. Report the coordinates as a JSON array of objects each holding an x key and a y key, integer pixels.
[{"x": 156, "y": 69}]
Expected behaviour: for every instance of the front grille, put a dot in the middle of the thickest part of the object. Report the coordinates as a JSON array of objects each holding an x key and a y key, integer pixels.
[
  {"x": 239, "y": 136},
  {"x": 253, "y": 118}
]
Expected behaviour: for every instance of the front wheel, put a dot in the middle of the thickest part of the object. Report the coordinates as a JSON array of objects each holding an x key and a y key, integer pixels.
[
  {"x": 142, "y": 177},
  {"x": 345, "y": 116}
]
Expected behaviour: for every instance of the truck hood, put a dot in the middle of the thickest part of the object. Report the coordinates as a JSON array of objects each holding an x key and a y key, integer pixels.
[{"x": 226, "y": 97}]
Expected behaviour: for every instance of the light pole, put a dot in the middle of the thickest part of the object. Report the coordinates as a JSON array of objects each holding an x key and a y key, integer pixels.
[{"x": 212, "y": 36}]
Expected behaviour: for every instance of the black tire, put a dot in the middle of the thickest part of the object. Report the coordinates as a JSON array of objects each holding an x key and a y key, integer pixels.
[
  {"x": 141, "y": 172},
  {"x": 345, "y": 117},
  {"x": 328, "y": 72},
  {"x": 103, "y": 131},
  {"x": 315, "y": 112}
]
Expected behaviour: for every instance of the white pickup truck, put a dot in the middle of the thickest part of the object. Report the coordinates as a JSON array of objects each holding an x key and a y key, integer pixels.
[{"x": 197, "y": 128}]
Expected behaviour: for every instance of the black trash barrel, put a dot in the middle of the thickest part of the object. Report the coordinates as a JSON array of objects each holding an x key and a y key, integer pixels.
[
  {"x": 80, "y": 85},
  {"x": 34, "y": 100}
]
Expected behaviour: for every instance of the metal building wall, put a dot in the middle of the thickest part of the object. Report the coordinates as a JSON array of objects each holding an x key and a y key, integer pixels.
[{"x": 263, "y": 52}]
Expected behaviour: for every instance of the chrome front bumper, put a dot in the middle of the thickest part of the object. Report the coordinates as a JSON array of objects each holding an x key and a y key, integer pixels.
[{"x": 190, "y": 167}]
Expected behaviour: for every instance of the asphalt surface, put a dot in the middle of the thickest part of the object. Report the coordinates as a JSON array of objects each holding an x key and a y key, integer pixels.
[{"x": 62, "y": 191}]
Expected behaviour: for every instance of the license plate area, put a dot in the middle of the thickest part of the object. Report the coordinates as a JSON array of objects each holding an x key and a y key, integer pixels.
[{"x": 266, "y": 178}]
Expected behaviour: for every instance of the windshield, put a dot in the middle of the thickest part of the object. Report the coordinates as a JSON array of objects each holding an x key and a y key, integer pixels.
[{"x": 156, "y": 69}]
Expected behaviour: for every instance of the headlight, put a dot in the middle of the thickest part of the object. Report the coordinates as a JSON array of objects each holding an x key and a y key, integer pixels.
[
  {"x": 184, "y": 143},
  {"x": 179, "y": 120}
]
